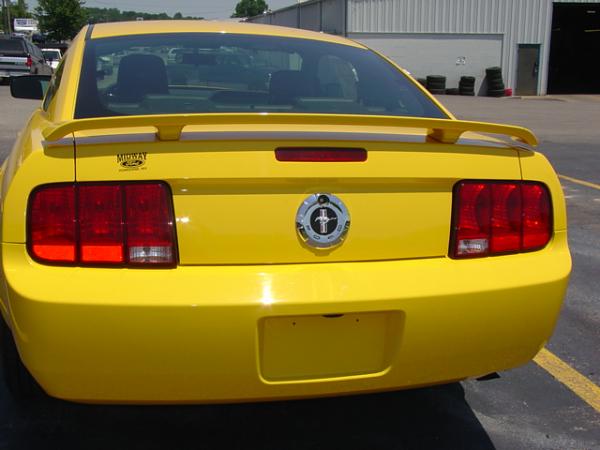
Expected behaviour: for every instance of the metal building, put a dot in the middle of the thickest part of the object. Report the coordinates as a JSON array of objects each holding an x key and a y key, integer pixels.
[{"x": 543, "y": 46}]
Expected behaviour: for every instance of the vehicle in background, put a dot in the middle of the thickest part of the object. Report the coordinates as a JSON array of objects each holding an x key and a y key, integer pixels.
[
  {"x": 52, "y": 56},
  {"x": 20, "y": 57}
]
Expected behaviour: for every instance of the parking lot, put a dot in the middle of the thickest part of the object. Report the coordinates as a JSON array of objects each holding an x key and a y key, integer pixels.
[{"x": 526, "y": 408}]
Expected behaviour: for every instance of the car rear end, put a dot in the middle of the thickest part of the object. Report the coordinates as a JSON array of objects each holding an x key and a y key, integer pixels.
[
  {"x": 171, "y": 264},
  {"x": 14, "y": 59}
]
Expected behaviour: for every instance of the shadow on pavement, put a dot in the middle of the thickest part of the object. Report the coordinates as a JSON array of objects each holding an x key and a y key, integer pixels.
[{"x": 432, "y": 418}]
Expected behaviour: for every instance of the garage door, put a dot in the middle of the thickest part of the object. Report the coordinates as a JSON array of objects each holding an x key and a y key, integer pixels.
[{"x": 451, "y": 55}]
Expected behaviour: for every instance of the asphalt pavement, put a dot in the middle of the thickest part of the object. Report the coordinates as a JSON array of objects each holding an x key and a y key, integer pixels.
[{"x": 525, "y": 408}]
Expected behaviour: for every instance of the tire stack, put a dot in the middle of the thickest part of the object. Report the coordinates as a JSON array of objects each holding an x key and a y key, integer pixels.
[
  {"x": 422, "y": 82},
  {"x": 466, "y": 86},
  {"x": 436, "y": 84},
  {"x": 494, "y": 82}
]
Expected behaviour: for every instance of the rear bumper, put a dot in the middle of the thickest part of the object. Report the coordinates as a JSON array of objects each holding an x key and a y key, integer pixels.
[
  {"x": 6, "y": 73},
  {"x": 245, "y": 333}
]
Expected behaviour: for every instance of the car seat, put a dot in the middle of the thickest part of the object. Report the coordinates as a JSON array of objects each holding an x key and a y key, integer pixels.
[{"x": 140, "y": 75}]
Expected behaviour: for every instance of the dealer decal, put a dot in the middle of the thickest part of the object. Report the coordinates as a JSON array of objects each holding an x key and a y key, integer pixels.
[{"x": 132, "y": 161}]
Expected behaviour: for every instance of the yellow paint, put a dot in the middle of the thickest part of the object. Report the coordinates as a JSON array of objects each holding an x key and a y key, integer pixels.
[
  {"x": 193, "y": 334},
  {"x": 581, "y": 182},
  {"x": 218, "y": 185},
  {"x": 103, "y": 30},
  {"x": 204, "y": 331},
  {"x": 579, "y": 384},
  {"x": 446, "y": 131}
]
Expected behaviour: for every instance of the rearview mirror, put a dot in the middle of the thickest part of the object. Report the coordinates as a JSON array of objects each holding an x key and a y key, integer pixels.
[{"x": 29, "y": 86}]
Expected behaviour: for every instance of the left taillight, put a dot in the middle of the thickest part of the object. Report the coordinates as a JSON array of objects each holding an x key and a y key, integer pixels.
[
  {"x": 115, "y": 224},
  {"x": 29, "y": 62},
  {"x": 499, "y": 217}
]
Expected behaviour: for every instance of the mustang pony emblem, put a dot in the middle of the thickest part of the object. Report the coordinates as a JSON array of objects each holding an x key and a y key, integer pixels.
[{"x": 322, "y": 221}]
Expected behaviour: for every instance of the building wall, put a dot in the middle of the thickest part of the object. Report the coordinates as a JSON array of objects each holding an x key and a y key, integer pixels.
[
  {"x": 516, "y": 21},
  {"x": 451, "y": 55},
  {"x": 317, "y": 15},
  {"x": 430, "y": 36}
]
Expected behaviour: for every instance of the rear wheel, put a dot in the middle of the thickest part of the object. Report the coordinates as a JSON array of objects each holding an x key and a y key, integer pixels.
[{"x": 17, "y": 378}]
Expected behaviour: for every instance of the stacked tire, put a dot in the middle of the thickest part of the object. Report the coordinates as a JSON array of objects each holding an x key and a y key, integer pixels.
[
  {"x": 494, "y": 82},
  {"x": 422, "y": 82},
  {"x": 466, "y": 86},
  {"x": 436, "y": 84}
]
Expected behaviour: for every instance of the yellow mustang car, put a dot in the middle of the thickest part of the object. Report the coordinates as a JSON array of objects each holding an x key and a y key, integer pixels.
[{"x": 270, "y": 213}]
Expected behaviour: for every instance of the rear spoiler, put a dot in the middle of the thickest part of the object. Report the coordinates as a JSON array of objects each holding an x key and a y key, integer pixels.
[{"x": 170, "y": 126}]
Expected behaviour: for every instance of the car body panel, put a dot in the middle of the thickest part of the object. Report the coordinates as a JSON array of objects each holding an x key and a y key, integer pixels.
[
  {"x": 236, "y": 204},
  {"x": 195, "y": 334}
]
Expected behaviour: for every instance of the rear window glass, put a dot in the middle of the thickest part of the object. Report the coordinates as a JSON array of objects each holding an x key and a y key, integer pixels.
[
  {"x": 11, "y": 45},
  {"x": 210, "y": 72},
  {"x": 51, "y": 55}
]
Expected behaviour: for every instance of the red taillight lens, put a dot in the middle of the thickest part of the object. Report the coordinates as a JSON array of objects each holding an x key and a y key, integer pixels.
[
  {"x": 29, "y": 61},
  {"x": 506, "y": 218},
  {"x": 149, "y": 224},
  {"x": 473, "y": 219},
  {"x": 52, "y": 224},
  {"x": 321, "y": 154},
  {"x": 102, "y": 224},
  {"x": 537, "y": 216},
  {"x": 492, "y": 218}
]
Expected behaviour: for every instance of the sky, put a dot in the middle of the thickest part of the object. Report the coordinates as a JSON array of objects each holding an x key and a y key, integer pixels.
[{"x": 209, "y": 9}]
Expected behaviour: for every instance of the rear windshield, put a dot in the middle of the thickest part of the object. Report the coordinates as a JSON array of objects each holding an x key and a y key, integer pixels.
[
  {"x": 214, "y": 72},
  {"x": 11, "y": 45},
  {"x": 51, "y": 55}
]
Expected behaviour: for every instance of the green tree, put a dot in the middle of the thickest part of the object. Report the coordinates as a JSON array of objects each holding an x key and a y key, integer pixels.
[
  {"x": 60, "y": 19},
  {"x": 178, "y": 16},
  {"x": 20, "y": 9},
  {"x": 250, "y": 8}
]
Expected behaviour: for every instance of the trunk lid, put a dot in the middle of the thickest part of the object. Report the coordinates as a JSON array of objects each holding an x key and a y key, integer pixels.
[{"x": 235, "y": 203}]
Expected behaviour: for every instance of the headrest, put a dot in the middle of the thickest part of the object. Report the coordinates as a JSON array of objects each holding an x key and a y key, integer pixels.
[
  {"x": 285, "y": 85},
  {"x": 140, "y": 75}
]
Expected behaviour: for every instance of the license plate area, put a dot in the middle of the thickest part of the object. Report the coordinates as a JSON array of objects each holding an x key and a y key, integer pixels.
[{"x": 328, "y": 346}]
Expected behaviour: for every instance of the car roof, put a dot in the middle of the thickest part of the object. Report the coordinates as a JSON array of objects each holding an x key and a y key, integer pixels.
[{"x": 114, "y": 29}]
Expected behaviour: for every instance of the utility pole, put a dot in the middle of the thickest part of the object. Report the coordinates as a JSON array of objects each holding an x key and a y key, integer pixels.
[
  {"x": 6, "y": 11},
  {"x": 8, "y": 19}
]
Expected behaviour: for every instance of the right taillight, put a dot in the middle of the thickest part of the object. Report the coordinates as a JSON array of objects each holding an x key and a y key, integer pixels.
[
  {"x": 499, "y": 217},
  {"x": 102, "y": 224}
]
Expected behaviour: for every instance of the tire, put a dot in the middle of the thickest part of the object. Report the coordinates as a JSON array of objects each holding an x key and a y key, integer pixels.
[
  {"x": 436, "y": 82},
  {"x": 467, "y": 80},
  {"x": 452, "y": 91},
  {"x": 422, "y": 81},
  {"x": 437, "y": 91},
  {"x": 491, "y": 71},
  {"x": 468, "y": 93},
  {"x": 19, "y": 382},
  {"x": 438, "y": 78},
  {"x": 496, "y": 87},
  {"x": 495, "y": 93}
]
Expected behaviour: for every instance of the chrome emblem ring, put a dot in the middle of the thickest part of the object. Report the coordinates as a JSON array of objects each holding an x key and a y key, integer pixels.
[{"x": 322, "y": 221}]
